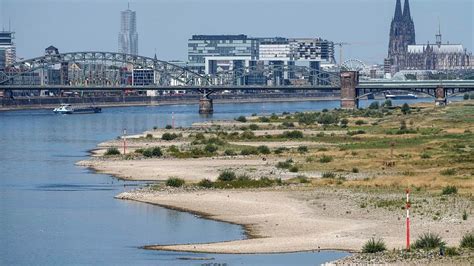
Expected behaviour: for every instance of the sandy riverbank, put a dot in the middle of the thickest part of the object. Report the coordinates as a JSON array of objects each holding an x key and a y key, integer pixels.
[
  {"x": 298, "y": 219},
  {"x": 363, "y": 197}
]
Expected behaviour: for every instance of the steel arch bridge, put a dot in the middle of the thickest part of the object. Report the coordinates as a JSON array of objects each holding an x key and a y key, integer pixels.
[
  {"x": 276, "y": 75},
  {"x": 102, "y": 69},
  {"x": 100, "y": 65}
]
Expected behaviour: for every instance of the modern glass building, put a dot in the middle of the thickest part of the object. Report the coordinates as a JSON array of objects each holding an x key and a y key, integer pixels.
[
  {"x": 202, "y": 46},
  {"x": 128, "y": 36},
  {"x": 7, "y": 49}
]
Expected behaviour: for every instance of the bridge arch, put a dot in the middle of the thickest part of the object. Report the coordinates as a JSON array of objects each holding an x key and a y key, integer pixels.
[{"x": 168, "y": 72}]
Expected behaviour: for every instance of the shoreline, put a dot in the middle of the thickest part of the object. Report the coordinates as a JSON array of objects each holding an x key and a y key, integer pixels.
[{"x": 293, "y": 217}]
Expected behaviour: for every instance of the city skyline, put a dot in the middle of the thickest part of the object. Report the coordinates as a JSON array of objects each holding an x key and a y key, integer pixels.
[{"x": 166, "y": 27}]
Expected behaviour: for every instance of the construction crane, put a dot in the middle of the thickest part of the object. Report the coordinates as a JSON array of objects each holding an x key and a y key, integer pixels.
[{"x": 341, "y": 45}]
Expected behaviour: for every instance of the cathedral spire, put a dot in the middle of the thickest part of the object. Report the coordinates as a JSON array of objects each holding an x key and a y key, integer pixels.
[
  {"x": 398, "y": 10},
  {"x": 406, "y": 10}
]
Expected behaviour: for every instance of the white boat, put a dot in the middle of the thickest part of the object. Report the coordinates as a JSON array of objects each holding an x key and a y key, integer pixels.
[
  {"x": 409, "y": 96},
  {"x": 69, "y": 109}
]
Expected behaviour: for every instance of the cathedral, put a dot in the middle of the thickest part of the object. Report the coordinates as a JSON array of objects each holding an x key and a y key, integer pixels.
[{"x": 405, "y": 54}]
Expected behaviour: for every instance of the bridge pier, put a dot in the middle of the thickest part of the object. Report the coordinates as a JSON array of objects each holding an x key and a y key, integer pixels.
[
  {"x": 206, "y": 106},
  {"x": 440, "y": 94},
  {"x": 349, "y": 93}
]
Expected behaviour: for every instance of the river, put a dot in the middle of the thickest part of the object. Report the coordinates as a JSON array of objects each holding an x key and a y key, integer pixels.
[{"x": 55, "y": 213}]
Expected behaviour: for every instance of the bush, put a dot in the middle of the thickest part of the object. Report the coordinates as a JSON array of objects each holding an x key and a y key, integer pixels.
[
  {"x": 302, "y": 179},
  {"x": 169, "y": 136},
  {"x": 294, "y": 169},
  {"x": 241, "y": 119},
  {"x": 387, "y": 103},
  {"x": 344, "y": 122},
  {"x": 464, "y": 215},
  {"x": 210, "y": 148},
  {"x": 112, "y": 151},
  {"x": 285, "y": 165},
  {"x": 359, "y": 122},
  {"x": 247, "y": 135},
  {"x": 429, "y": 241},
  {"x": 374, "y": 105},
  {"x": 229, "y": 153},
  {"x": 227, "y": 176},
  {"x": 328, "y": 175},
  {"x": 205, "y": 183},
  {"x": 325, "y": 159},
  {"x": 169, "y": 127},
  {"x": 263, "y": 149},
  {"x": 355, "y": 170},
  {"x": 452, "y": 251},
  {"x": 280, "y": 150},
  {"x": 374, "y": 246},
  {"x": 405, "y": 109},
  {"x": 174, "y": 182},
  {"x": 152, "y": 152},
  {"x": 356, "y": 132},
  {"x": 466, "y": 97},
  {"x": 249, "y": 151},
  {"x": 449, "y": 171},
  {"x": 467, "y": 241},
  {"x": 327, "y": 119},
  {"x": 264, "y": 119},
  {"x": 295, "y": 134},
  {"x": 303, "y": 149},
  {"x": 425, "y": 155},
  {"x": 253, "y": 127},
  {"x": 149, "y": 136},
  {"x": 448, "y": 190}
]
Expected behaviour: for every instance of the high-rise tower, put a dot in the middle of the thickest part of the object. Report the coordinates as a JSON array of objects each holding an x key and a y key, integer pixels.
[
  {"x": 402, "y": 34},
  {"x": 128, "y": 36}
]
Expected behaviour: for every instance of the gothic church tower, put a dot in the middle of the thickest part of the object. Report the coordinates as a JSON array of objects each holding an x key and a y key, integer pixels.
[{"x": 402, "y": 34}]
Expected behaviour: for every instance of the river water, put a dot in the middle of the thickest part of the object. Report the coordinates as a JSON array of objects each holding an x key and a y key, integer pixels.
[{"x": 55, "y": 213}]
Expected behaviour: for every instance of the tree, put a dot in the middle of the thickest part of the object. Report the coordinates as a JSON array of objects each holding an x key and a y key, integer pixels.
[
  {"x": 388, "y": 103},
  {"x": 374, "y": 105},
  {"x": 405, "y": 109}
]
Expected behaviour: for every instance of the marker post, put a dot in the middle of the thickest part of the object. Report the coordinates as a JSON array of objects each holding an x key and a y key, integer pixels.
[
  {"x": 408, "y": 218},
  {"x": 124, "y": 141}
]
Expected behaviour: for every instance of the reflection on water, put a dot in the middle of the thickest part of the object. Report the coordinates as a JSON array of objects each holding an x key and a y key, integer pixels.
[{"x": 53, "y": 212}]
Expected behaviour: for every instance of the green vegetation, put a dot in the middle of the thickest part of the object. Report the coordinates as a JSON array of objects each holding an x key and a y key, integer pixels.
[
  {"x": 374, "y": 246},
  {"x": 326, "y": 159},
  {"x": 328, "y": 175},
  {"x": 169, "y": 136},
  {"x": 263, "y": 149},
  {"x": 253, "y": 127},
  {"x": 174, "y": 182},
  {"x": 466, "y": 97},
  {"x": 285, "y": 165},
  {"x": 429, "y": 241},
  {"x": 241, "y": 119},
  {"x": 168, "y": 127},
  {"x": 249, "y": 151},
  {"x": 303, "y": 149},
  {"x": 205, "y": 183},
  {"x": 150, "y": 152},
  {"x": 359, "y": 122},
  {"x": 449, "y": 171},
  {"x": 227, "y": 176},
  {"x": 464, "y": 215},
  {"x": 405, "y": 109},
  {"x": 374, "y": 105},
  {"x": 467, "y": 240},
  {"x": 149, "y": 136},
  {"x": 112, "y": 151},
  {"x": 387, "y": 103},
  {"x": 295, "y": 134}
]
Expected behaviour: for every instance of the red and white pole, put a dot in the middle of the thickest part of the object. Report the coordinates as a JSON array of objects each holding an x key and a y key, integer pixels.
[
  {"x": 408, "y": 218},
  {"x": 124, "y": 141}
]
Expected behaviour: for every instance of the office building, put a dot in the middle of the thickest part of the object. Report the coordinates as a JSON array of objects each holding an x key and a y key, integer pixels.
[
  {"x": 128, "y": 36},
  {"x": 7, "y": 49}
]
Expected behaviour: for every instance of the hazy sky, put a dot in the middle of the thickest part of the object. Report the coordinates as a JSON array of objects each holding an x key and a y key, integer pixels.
[{"x": 165, "y": 25}]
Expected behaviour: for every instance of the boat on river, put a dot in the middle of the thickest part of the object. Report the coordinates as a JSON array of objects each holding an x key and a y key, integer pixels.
[
  {"x": 69, "y": 109},
  {"x": 409, "y": 96}
]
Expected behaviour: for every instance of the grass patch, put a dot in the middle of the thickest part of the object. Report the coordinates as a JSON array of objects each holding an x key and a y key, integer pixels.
[
  {"x": 448, "y": 172},
  {"x": 467, "y": 241},
  {"x": 326, "y": 159},
  {"x": 429, "y": 241},
  {"x": 227, "y": 176},
  {"x": 175, "y": 182},
  {"x": 448, "y": 190},
  {"x": 112, "y": 152},
  {"x": 374, "y": 246}
]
